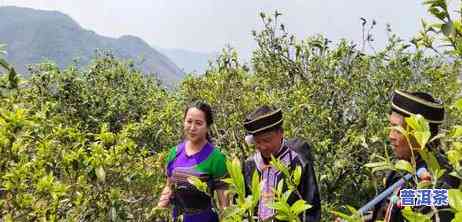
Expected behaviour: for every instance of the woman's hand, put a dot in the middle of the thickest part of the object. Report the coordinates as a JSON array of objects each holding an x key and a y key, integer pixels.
[
  {"x": 164, "y": 200},
  {"x": 222, "y": 199}
]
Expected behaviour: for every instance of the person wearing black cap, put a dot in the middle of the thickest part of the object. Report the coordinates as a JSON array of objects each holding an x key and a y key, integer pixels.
[
  {"x": 264, "y": 127},
  {"x": 403, "y": 104}
]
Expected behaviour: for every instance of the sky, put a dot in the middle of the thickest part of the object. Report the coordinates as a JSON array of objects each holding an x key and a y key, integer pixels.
[{"x": 209, "y": 25}]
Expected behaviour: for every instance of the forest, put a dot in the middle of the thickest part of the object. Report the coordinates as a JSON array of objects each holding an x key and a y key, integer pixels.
[{"x": 90, "y": 144}]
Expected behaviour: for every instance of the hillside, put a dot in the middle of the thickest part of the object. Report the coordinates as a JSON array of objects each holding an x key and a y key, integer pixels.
[{"x": 33, "y": 36}]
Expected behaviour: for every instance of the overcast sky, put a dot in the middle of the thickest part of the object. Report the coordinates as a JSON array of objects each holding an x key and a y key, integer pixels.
[{"x": 209, "y": 25}]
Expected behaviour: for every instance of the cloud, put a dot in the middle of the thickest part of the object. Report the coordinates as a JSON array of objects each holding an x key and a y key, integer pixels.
[{"x": 208, "y": 25}]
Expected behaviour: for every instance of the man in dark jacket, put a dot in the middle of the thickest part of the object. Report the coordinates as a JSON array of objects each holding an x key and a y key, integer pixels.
[
  {"x": 264, "y": 125},
  {"x": 404, "y": 104}
]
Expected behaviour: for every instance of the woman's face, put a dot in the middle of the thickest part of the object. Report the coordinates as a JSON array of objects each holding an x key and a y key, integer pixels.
[{"x": 195, "y": 125}]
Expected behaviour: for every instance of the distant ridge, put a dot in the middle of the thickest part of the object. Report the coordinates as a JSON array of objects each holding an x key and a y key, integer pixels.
[{"x": 33, "y": 36}]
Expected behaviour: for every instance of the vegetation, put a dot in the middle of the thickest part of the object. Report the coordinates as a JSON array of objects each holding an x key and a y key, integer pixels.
[{"x": 89, "y": 144}]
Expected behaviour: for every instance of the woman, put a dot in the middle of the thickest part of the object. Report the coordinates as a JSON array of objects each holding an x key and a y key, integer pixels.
[{"x": 194, "y": 156}]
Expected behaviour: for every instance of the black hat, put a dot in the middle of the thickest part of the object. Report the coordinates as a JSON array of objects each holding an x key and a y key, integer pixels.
[
  {"x": 264, "y": 122},
  {"x": 418, "y": 103}
]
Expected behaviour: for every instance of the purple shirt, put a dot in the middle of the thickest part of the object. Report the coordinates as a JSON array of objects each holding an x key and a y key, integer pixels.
[
  {"x": 183, "y": 160},
  {"x": 186, "y": 164}
]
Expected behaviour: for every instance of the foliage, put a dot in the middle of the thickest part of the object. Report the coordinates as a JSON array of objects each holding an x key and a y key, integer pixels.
[
  {"x": 334, "y": 96},
  {"x": 89, "y": 144},
  {"x": 284, "y": 211},
  {"x": 245, "y": 205},
  {"x": 76, "y": 144}
]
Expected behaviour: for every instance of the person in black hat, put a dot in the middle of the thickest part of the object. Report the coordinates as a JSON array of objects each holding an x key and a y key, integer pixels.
[
  {"x": 264, "y": 127},
  {"x": 404, "y": 104}
]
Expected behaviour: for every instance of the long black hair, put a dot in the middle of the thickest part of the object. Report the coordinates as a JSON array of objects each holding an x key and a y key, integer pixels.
[{"x": 208, "y": 112}]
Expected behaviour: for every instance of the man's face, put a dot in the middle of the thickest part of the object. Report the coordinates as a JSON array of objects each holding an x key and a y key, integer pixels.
[
  {"x": 398, "y": 140},
  {"x": 269, "y": 142}
]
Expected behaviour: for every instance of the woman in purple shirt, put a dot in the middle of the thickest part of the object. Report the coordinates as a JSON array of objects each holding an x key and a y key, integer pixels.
[{"x": 195, "y": 156}]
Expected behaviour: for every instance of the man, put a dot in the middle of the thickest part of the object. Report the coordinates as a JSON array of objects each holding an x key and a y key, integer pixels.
[
  {"x": 404, "y": 104},
  {"x": 264, "y": 125}
]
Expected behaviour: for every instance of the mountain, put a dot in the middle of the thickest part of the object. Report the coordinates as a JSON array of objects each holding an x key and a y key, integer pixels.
[
  {"x": 33, "y": 36},
  {"x": 189, "y": 61}
]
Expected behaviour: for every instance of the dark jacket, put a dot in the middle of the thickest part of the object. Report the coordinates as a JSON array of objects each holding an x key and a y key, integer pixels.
[
  {"x": 308, "y": 187},
  {"x": 445, "y": 182}
]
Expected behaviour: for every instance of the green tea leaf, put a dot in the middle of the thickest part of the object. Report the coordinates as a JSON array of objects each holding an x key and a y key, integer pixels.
[
  {"x": 297, "y": 175},
  {"x": 199, "y": 184},
  {"x": 457, "y": 217},
  {"x": 280, "y": 206},
  {"x": 455, "y": 199},
  {"x": 404, "y": 165},
  {"x": 256, "y": 187},
  {"x": 299, "y": 206},
  {"x": 412, "y": 216},
  {"x": 454, "y": 157},
  {"x": 457, "y": 131},
  {"x": 458, "y": 104},
  {"x": 430, "y": 160},
  {"x": 100, "y": 174}
]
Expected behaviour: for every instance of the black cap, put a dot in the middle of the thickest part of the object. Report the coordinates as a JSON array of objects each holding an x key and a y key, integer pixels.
[
  {"x": 264, "y": 122},
  {"x": 409, "y": 103}
]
